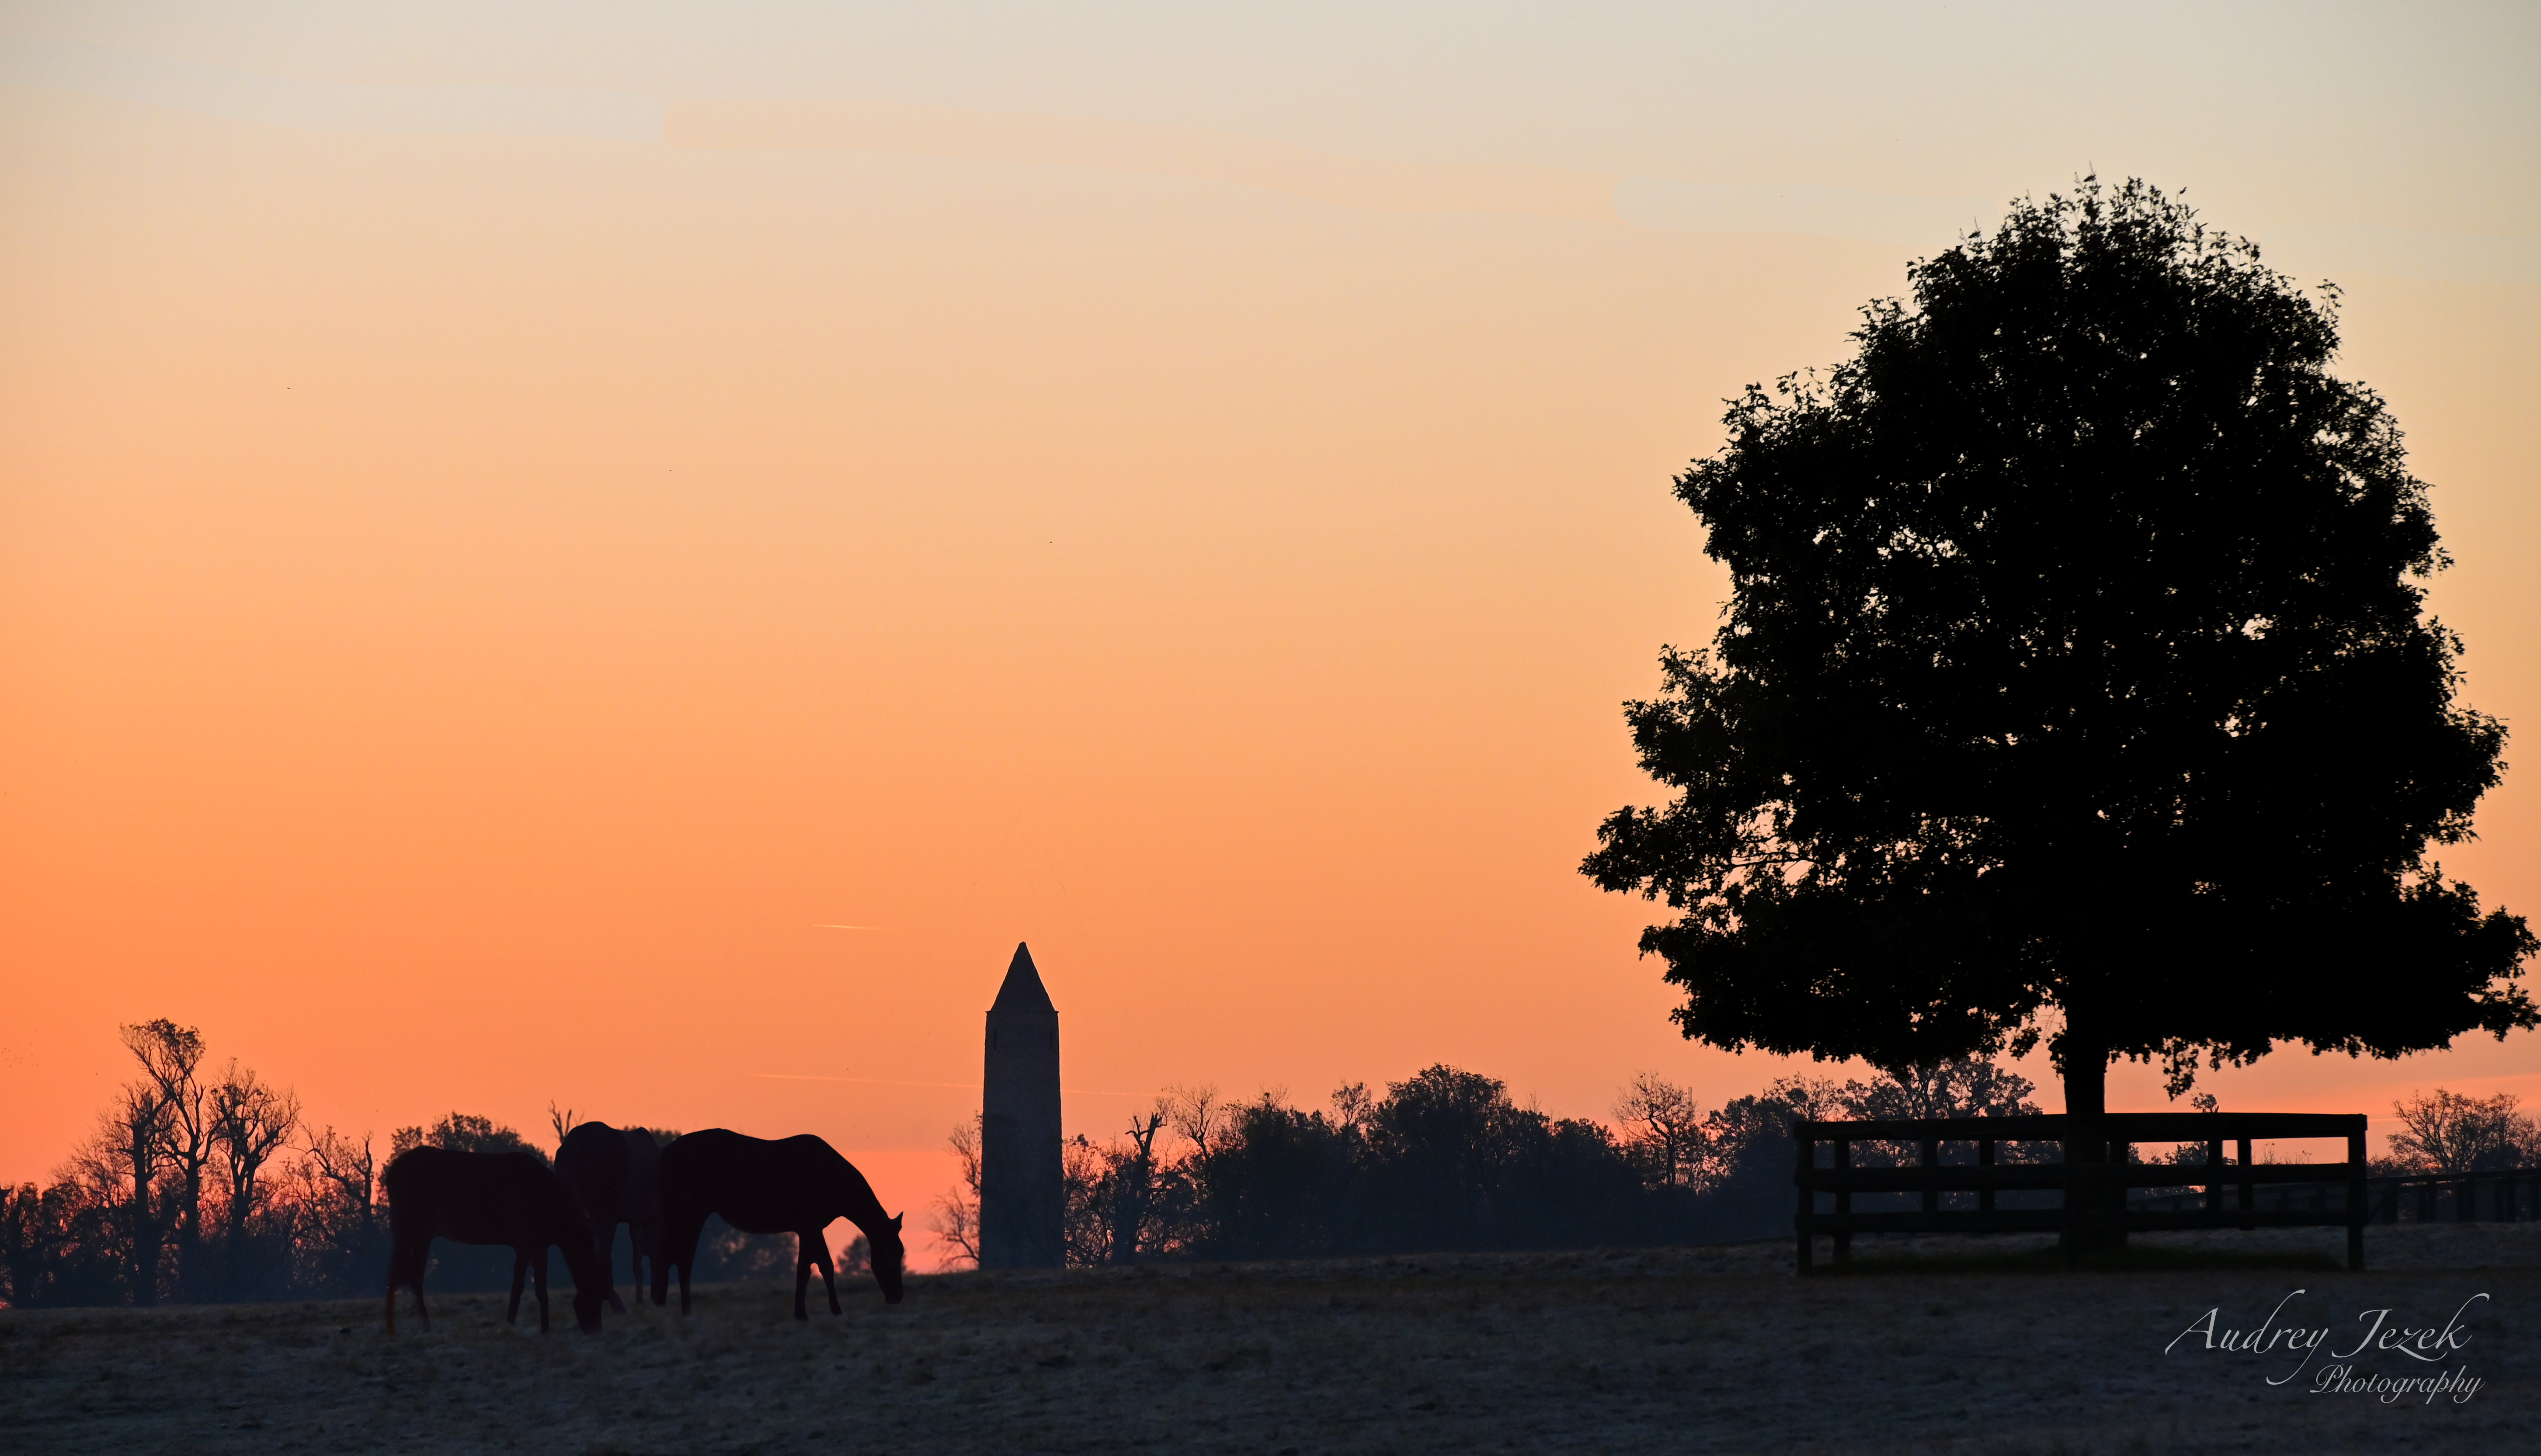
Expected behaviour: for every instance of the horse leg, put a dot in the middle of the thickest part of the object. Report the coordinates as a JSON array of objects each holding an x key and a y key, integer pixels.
[
  {"x": 802, "y": 1274},
  {"x": 520, "y": 1272},
  {"x": 605, "y": 1238},
  {"x": 829, "y": 1276},
  {"x": 674, "y": 1244},
  {"x": 394, "y": 1261},
  {"x": 539, "y": 1272},
  {"x": 405, "y": 1267}
]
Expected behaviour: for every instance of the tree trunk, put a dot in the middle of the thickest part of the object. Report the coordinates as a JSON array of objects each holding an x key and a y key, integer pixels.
[
  {"x": 143, "y": 1223},
  {"x": 2086, "y": 1102}
]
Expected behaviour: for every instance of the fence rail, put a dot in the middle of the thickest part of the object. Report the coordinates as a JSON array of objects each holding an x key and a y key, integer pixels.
[
  {"x": 2091, "y": 1175},
  {"x": 2498, "y": 1196}
]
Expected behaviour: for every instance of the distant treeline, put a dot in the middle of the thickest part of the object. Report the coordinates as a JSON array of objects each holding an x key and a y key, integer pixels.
[
  {"x": 209, "y": 1188},
  {"x": 1445, "y": 1160}
]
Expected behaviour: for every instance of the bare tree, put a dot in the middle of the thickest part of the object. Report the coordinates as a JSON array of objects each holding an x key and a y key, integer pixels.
[
  {"x": 1353, "y": 1109},
  {"x": 341, "y": 1238},
  {"x": 561, "y": 1121},
  {"x": 1665, "y": 1127},
  {"x": 353, "y": 1173},
  {"x": 1133, "y": 1185},
  {"x": 1087, "y": 1186},
  {"x": 955, "y": 1216},
  {"x": 250, "y": 1122},
  {"x": 2449, "y": 1133},
  {"x": 1197, "y": 1114},
  {"x": 118, "y": 1170},
  {"x": 170, "y": 1056}
]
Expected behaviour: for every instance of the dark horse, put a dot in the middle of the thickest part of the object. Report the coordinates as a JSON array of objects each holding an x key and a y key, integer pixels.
[
  {"x": 793, "y": 1185},
  {"x": 615, "y": 1174},
  {"x": 488, "y": 1197}
]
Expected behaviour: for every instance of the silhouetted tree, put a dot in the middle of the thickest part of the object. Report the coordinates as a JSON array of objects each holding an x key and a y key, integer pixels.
[
  {"x": 1088, "y": 1199},
  {"x": 1664, "y": 1129},
  {"x": 1132, "y": 1186},
  {"x": 25, "y": 1242},
  {"x": 121, "y": 1176},
  {"x": 1955, "y": 1086},
  {"x": 170, "y": 1057},
  {"x": 2073, "y": 682},
  {"x": 1746, "y": 1173},
  {"x": 1279, "y": 1184},
  {"x": 1197, "y": 1115},
  {"x": 344, "y": 1241},
  {"x": 65, "y": 1246},
  {"x": 463, "y": 1132},
  {"x": 955, "y": 1216},
  {"x": 249, "y": 1122},
  {"x": 2449, "y": 1132}
]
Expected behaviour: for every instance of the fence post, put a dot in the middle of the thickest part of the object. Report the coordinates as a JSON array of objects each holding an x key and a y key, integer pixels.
[
  {"x": 2068, "y": 1236},
  {"x": 1808, "y": 1149},
  {"x": 2214, "y": 1175},
  {"x": 1984, "y": 1159},
  {"x": 2355, "y": 1196},
  {"x": 2120, "y": 1156},
  {"x": 1931, "y": 1174},
  {"x": 2249, "y": 1190},
  {"x": 1844, "y": 1200}
]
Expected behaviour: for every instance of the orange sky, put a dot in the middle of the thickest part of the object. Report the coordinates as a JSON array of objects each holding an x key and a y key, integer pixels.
[{"x": 474, "y": 608}]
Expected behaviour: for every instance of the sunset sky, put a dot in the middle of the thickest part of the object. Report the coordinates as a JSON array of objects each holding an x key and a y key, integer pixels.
[{"x": 624, "y": 554}]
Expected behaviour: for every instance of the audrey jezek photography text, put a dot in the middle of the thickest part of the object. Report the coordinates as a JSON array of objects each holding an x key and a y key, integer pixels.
[{"x": 2382, "y": 1337}]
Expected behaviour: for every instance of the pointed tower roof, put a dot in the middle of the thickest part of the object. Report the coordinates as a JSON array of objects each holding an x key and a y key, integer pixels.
[{"x": 1023, "y": 990}]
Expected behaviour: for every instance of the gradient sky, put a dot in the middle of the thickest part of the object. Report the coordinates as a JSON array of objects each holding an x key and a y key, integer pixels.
[{"x": 519, "y": 521}]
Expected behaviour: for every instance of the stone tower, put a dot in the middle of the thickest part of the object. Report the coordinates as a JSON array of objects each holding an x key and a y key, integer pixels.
[{"x": 1019, "y": 1167}]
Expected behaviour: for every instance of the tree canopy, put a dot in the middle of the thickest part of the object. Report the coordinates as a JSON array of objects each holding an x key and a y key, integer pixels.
[{"x": 2076, "y": 680}]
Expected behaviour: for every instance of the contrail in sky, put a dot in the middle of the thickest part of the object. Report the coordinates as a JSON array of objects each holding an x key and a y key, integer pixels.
[{"x": 884, "y": 1081}]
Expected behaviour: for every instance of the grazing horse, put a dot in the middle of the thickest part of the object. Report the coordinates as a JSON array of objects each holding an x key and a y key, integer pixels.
[
  {"x": 615, "y": 1174},
  {"x": 793, "y": 1185},
  {"x": 488, "y": 1197}
]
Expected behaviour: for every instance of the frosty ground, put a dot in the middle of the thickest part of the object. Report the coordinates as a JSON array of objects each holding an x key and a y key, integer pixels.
[{"x": 1930, "y": 1345}]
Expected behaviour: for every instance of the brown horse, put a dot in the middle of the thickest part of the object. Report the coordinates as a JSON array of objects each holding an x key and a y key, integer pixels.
[
  {"x": 615, "y": 1174},
  {"x": 488, "y": 1197},
  {"x": 793, "y": 1185}
]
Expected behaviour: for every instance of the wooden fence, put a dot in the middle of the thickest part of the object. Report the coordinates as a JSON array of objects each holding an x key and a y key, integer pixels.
[
  {"x": 1992, "y": 1192},
  {"x": 2499, "y": 1195}
]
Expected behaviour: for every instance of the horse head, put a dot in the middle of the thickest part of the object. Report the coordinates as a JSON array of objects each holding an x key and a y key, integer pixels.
[
  {"x": 888, "y": 1256},
  {"x": 586, "y": 1301}
]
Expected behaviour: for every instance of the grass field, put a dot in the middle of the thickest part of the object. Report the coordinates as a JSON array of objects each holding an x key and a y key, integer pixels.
[{"x": 1935, "y": 1345}]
